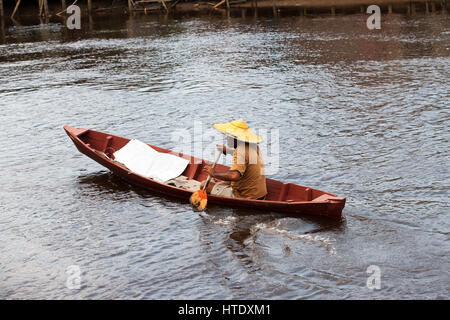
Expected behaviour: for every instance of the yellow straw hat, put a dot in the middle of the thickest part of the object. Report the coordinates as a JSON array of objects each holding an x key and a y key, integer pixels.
[{"x": 238, "y": 129}]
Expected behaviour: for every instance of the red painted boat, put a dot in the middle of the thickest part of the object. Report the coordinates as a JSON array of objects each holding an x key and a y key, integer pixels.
[{"x": 281, "y": 197}]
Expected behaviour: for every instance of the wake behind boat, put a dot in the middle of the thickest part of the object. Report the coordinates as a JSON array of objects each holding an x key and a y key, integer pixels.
[{"x": 281, "y": 197}]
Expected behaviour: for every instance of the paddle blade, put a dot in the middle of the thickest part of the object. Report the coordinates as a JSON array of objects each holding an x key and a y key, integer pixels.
[
  {"x": 202, "y": 205},
  {"x": 199, "y": 199}
]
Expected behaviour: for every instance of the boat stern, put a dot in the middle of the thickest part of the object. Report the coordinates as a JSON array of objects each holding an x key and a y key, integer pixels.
[{"x": 335, "y": 206}]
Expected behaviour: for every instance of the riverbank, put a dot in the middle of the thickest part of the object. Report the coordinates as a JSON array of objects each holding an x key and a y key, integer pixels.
[{"x": 57, "y": 7}]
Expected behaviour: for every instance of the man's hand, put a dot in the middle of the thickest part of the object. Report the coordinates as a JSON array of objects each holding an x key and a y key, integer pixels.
[
  {"x": 209, "y": 170},
  {"x": 224, "y": 149},
  {"x": 221, "y": 148}
]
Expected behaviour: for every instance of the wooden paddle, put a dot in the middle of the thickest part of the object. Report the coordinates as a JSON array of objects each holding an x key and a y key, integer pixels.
[{"x": 199, "y": 198}]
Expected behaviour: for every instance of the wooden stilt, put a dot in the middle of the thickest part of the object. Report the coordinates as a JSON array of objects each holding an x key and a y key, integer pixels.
[
  {"x": 433, "y": 7},
  {"x": 274, "y": 8},
  {"x": 228, "y": 5},
  {"x": 333, "y": 11},
  {"x": 427, "y": 9},
  {"x": 164, "y": 5},
  {"x": 2, "y": 24},
  {"x": 361, "y": 8},
  {"x": 63, "y": 5},
  {"x": 46, "y": 8},
  {"x": 15, "y": 8},
  {"x": 91, "y": 23},
  {"x": 2, "y": 30},
  {"x": 43, "y": 8},
  {"x": 305, "y": 11},
  {"x": 413, "y": 8},
  {"x": 390, "y": 9},
  {"x": 408, "y": 8},
  {"x": 219, "y": 4},
  {"x": 89, "y": 3}
]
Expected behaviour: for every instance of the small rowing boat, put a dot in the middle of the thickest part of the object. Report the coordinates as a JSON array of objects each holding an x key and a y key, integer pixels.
[{"x": 281, "y": 197}]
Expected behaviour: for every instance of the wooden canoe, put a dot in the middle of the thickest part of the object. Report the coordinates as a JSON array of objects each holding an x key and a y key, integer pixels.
[{"x": 281, "y": 197}]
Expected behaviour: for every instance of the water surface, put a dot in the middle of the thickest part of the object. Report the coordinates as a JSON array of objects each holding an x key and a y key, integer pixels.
[{"x": 362, "y": 114}]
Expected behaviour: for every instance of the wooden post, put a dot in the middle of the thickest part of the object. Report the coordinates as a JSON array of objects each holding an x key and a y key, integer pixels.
[
  {"x": 63, "y": 4},
  {"x": 228, "y": 5},
  {"x": 1, "y": 8},
  {"x": 15, "y": 8},
  {"x": 362, "y": 9},
  {"x": 164, "y": 5},
  {"x": 130, "y": 6},
  {"x": 219, "y": 4},
  {"x": 333, "y": 11},
  {"x": 408, "y": 8},
  {"x": 274, "y": 8},
  {"x": 413, "y": 8},
  {"x": 390, "y": 9},
  {"x": 305, "y": 11},
  {"x": 433, "y": 7},
  {"x": 91, "y": 23},
  {"x": 46, "y": 8},
  {"x": 89, "y": 6},
  {"x": 2, "y": 30}
]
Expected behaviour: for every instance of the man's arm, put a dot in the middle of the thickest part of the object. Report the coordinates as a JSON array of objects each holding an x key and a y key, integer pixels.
[
  {"x": 230, "y": 175},
  {"x": 217, "y": 181}
]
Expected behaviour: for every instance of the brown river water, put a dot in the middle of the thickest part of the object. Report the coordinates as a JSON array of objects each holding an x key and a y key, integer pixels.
[{"x": 361, "y": 114}]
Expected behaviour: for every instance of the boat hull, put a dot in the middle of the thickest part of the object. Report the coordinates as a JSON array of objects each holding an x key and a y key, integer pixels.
[{"x": 96, "y": 145}]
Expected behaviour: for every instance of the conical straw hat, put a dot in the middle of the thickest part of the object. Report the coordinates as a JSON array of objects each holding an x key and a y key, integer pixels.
[{"x": 238, "y": 129}]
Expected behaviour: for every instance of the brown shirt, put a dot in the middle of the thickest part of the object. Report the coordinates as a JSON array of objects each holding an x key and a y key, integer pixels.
[{"x": 248, "y": 161}]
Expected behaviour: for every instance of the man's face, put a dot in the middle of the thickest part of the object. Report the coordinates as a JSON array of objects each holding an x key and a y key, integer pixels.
[{"x": 230, "y": 142}]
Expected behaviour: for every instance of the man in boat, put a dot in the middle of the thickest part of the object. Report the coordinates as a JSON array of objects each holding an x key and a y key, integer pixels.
[{"x": 246, "y": 177}]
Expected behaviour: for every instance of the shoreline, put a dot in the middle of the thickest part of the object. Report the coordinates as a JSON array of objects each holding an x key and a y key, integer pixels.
[{"x": 51, "y": 8}]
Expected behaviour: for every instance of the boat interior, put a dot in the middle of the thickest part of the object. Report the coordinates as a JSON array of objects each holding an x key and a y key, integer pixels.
[{"x": 277, "y": 191}]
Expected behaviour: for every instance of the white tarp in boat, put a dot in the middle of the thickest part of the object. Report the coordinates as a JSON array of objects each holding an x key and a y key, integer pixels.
[{"x": 146, "y": 161}]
